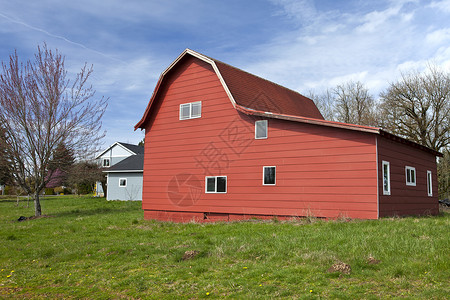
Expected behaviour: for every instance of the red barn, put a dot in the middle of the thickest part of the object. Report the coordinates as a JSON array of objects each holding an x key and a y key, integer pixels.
[{"x": 223, "y": 144}]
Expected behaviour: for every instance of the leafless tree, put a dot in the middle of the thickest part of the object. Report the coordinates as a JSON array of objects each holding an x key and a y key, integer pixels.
[
  {"x": 349, "y": 103},
  {"x": 325, "y": 103},
  {"x": 354, "y": 104},
  {"x": 40, "y": 107},
  {"x": 417, "y": 107}
]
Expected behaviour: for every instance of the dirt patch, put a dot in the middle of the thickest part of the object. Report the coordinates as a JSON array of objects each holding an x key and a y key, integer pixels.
[
  {"x": 190, "y": 254},
  {"x": 373, "y": 261},
  {"x": 341, "y": 268}
]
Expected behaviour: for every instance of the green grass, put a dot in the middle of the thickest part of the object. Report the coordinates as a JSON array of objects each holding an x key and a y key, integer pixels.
[{"x": 90, "y": 248}]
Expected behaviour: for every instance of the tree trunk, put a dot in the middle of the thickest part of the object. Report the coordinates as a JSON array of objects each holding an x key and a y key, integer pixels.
[{"x": 37, "y": 205}]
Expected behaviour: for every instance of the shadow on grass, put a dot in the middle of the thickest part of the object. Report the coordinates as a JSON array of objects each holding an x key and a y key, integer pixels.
[{"x": 97, "y": 211}]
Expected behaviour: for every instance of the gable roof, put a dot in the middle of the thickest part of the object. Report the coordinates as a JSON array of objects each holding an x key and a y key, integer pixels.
[
  {"x": 136, "y": 149},
  {"x": 134, "y": 163},
  {"x": 246, "y": 90},
  {"x": 133, "y": 149}
]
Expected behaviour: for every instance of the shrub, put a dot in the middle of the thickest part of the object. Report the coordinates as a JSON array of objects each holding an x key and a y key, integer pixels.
[
  {"x": 59, "y": 190},
  {"x": 49, "y": 191}
]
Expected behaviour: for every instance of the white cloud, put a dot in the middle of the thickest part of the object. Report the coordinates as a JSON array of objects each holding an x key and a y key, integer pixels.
[
  {"x": 438, "y": 36},
  {"x": 441, "y": 5}
]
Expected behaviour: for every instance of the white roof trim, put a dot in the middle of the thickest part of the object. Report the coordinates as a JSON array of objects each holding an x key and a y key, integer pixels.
[
  {"x": 112, "y": 146},
  {"x": 207, "y": 60}
]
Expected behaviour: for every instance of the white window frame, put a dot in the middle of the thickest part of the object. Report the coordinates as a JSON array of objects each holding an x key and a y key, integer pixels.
[
  {"x": 191, "y": 106},
  {"x": 413, "y": 180},
  {"x": 120, "y": 181},
  {"x": 106, "y": 160},
  {"x": 388, "y": 190},
  {"x": 215, "y": 183},
  {"x": 429, "y": 184},
  {"x": 266, "y": 127},
  {"x": 264, "y": 175}
]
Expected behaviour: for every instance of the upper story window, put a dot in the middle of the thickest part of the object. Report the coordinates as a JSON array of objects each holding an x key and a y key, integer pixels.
[
  {"x": 429, "y": 184},
  {"x": 105, "y": 162},
  {"x": 269, "y": 175},
  {"x": 191, "y": 110},
  {"x": 386, "y": 178},
  {"x": 410, "y": 176},
  {"x": 261, "y": 129}
]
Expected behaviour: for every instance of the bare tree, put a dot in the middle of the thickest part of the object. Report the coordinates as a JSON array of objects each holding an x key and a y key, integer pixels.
[
  {"x": 349, "y": 103},
  {"x": 354, "y": 104},
  {"x": 418, "y": 108},
  {"x": 325, "y": 103},
  {"x": 41, "y": 108}
]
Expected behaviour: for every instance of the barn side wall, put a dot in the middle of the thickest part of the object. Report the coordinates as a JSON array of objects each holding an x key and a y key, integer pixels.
[
  {"x": 320, "y": 171},
  {"x": 405, "y": 199}
]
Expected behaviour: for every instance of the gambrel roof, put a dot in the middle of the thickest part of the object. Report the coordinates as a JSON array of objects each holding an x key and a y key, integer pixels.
[
  {"x": 247, "y": 91},
  {"x": 253, "y": 95}
]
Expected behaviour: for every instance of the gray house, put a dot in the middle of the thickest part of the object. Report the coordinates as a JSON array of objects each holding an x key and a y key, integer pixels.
[{"x": 123, "y": 164}]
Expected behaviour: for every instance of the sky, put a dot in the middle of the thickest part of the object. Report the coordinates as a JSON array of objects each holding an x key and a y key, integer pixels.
[{"x": 307, "y": 46}]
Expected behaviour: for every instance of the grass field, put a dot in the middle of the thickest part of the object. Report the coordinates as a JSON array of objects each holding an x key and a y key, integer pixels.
[{"x": 90, "y": 248}]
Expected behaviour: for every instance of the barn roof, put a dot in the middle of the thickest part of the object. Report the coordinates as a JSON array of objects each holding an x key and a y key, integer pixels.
[
  {"x": 248, "y": 91},
  {"x": 253, "y": 95}
]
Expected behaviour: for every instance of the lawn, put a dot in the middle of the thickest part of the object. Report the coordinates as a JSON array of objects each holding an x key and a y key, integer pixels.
[{"x": 90, "y": 248}]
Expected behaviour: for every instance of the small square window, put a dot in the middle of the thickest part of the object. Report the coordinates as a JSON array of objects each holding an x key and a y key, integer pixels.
[
  {"x": 216, "y": 184},
  {"x": 429, "y": 184},
  {"x": 261, "y": 129},
  {"x": 122, "y": 182},
  {"x": 269, "y": 175},
  {"x": 386, "y": 178},
  {"x": 410, "y": 176},
  {"x": 105, "y": 162},
  {"x": 190, "y": 110}
]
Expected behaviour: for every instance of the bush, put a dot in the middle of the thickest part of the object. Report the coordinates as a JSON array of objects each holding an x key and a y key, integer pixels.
[
  {"x": 49, "y": 191},
  {"x": 59, "y": 190}
]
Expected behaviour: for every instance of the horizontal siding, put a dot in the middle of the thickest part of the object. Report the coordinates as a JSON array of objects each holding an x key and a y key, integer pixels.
[
  {"x": 323, "y": 171},
  {"x": 407, "y": 200}
]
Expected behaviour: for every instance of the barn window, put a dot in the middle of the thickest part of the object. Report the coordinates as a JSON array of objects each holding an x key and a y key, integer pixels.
[
  {"x": 105, "y": 162},
  {"x": 429, "y": 184},
  {"x": 123, "y": 182},
  {"x": 410, "y": 176},
  {"x": 261, "y": 129},
  {"x": 269, "y": 175},
  {"x": 386, "y": 178},
  {"x": 216, "y": 184},
  {"x": 190, "y": 110}
]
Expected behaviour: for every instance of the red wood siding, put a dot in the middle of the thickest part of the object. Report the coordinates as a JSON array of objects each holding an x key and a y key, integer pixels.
[
  {"x": 321, "y": 171},
  {"x": 406, "y": 200}
]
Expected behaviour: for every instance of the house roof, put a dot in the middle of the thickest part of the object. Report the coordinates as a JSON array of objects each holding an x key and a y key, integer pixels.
[
  {"x": 133, "y": 149},
  {"x": 134, "y": 163},
  {"x": 253, "y": 95}
]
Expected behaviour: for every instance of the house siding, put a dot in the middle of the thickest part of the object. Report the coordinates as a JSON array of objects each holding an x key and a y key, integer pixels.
[
  {"x": 133, "y": 190},
  {"x": 404, "y": 199},
  {"x": 321, "y": 171}
]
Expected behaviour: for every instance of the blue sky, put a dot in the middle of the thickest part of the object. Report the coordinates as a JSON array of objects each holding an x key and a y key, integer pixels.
[{"x": 304, "y": 45}]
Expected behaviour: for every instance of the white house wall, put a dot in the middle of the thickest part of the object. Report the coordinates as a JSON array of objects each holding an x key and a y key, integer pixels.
[{"x": 133, "y": 190}]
